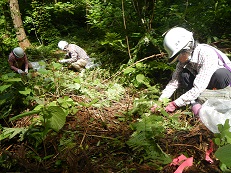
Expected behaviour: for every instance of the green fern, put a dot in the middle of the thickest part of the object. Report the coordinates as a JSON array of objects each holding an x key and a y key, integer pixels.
[{"x": 147, "y": 131}]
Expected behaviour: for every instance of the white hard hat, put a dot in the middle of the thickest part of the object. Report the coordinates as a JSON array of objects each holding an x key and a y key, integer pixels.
[
  {"x": 175, "y": 40},
  {"x": 62, "y": 44},
  {"x": 18, "y": 52}
]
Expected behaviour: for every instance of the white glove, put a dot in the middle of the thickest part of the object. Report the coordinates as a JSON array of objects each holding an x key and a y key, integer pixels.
[
  {"x": 62, "y": 61},
  {"x": 20, "y": 71},
  {"x": 26, "y": 71}
]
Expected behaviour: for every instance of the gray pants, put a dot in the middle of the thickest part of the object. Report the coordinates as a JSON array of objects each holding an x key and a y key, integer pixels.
[{"x": 219, "y": 80}]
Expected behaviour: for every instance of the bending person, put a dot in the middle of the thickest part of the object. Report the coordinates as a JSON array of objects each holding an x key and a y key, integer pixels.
[
  {"x": 18, "y": 61},
  {"x": 75, "y": 55},
  {"x": 199, "y": 67}
]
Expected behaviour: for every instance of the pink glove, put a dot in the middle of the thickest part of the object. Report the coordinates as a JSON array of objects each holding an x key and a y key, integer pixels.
[
  {"x": 154, "y": 108},
  {"x": 196, "y": 108},
  {"x": 171, "y": 107}
]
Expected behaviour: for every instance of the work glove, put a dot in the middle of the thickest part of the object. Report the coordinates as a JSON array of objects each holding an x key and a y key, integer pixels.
[
  {"x": 196, "y": 108},
  {"x": 154, "y": 108},
  {"x": 62, "y": 61},
  {"x": 20, "y": 71},
  {"x": 171, "y": 107},
  {"x": 26, "y": 71}
]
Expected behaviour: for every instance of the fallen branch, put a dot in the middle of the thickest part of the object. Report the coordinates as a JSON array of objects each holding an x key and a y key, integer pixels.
[{"x": 118, "y": 73}]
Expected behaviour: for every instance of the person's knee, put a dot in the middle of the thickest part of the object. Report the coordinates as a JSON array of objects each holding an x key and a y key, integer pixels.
[
  {"x": 220, "y": 79},
  {"x": 82, "y": 62},
  {"x": 186, "y": 79}
]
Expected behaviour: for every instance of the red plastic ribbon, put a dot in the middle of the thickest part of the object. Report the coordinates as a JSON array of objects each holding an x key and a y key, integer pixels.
[
  {"x": 208, "y": 152},
  {"x": 183, "y": 162},
  {"x": 178, "y": 160}
]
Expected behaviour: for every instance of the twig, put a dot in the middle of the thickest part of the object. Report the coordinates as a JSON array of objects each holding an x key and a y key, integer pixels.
[
  {"x": 186, "y": 145},
  {"x": 83, "y": 138},
  {"x": 118, "y": 73},
  {"x": 125, "y": 27},
  {"x": 6, "y": 149}
]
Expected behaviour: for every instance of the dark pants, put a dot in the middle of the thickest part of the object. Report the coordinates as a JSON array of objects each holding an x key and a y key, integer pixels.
[{"x": 220, "y": 79}]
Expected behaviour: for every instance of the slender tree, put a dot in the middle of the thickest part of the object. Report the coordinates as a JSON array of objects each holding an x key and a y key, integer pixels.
[{"x": 18, "y": 25}]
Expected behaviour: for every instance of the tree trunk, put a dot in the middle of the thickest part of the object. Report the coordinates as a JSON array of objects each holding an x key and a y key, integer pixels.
[{"x": 17, "y": 21}]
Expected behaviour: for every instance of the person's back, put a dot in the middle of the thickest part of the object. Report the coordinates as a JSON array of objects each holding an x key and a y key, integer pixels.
[{"x": 75, "y": 51}]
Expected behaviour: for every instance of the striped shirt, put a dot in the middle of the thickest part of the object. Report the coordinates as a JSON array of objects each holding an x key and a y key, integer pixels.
[{"x": 203, "y": 64}]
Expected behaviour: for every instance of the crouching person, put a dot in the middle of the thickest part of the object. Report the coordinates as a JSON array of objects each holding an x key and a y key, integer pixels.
[
  {"x": 199, "y": 67},
  {"x": 18, "y": 61},
  {"x": 75, "y": 56}
]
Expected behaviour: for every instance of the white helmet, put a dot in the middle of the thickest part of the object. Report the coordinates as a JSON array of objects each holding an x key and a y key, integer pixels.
[
  {"x": 175, "y": 40},
  {"x": 18, "y": 52},
  {"x": 62, "y": 44}
]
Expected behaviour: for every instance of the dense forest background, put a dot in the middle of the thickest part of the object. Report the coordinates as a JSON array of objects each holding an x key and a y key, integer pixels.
[
  {"x": 131, "y": 30},
  {"x": 125, "y": 38}
]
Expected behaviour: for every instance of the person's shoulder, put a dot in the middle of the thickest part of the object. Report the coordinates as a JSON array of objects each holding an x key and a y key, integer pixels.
[
  {"x": 72, "y": 46},
  {"x": 11, "y": 55},
  {"x": 204, "y": 48}
]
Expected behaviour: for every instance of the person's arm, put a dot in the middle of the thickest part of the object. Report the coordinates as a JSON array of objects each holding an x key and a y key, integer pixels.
[
  {"x": 11, "y": 62},
  {"x": 71, "y": 53},
  {"x": 206, "y": 67},
  {"x": 26, "y": 63},
  {"x": 173, "y": 83}
]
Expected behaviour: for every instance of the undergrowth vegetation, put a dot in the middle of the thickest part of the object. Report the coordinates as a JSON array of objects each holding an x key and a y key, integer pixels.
[{"x": 48, "y": 96}]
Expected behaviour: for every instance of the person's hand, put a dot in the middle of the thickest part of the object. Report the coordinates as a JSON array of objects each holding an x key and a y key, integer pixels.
[
  {"x": 196, "y": 108},
  {"x": 26, "y": 71},
  {"x": 171, "y": 107},
  {"x": 62, "y": 61},
  {"x": 20, "y": 71},
  {"x": 154, "y": 107}
]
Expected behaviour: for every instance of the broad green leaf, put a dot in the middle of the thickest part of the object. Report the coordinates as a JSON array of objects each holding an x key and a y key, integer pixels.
[
  {"x": 4, "y": 87},
  {"x": 57, "y": 117},
  {"x": 54, "y": 103},
  {"x": 39, "y": 107},
  {"x": 13, "y": 80},
  {"x": 226, "y": 126},
  {"x": 140, "y": 78},
  {"x": 43, "y": 71},
  {"x": 26, "y": 92},
  {"x": 217, "y": 141},
  {"x": 56, "y": 65},
  {"x": 129, "y": 70},
  {"x": 25, "y": 114},
  {"x": 224, "y": 154},
  {"x": 139, "y": 65}
]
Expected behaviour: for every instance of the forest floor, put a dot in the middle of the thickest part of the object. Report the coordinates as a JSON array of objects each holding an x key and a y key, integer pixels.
[{"x": 94, "y": 141}]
